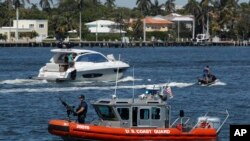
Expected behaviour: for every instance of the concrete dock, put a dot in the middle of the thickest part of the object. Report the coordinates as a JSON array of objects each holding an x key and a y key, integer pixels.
[{"x": 120, "y": 44}]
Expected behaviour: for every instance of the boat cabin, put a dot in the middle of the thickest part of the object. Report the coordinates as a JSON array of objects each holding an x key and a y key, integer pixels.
[
  {"x": 59, "y": 62},
  {"x": 78, "y": 56},
  {"x": 202, "y": 37},
  {"x": 153, "y": 89},
  {"x": 149, "y": 112}
]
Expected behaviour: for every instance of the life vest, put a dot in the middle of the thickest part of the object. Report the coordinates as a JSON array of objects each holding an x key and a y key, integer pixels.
[
  {"x": 205, "y": 125},
  {"x": 179, "y": 126}
]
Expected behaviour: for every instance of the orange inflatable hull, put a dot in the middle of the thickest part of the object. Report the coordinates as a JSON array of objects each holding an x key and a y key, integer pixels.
[{"x": 72, "y": 130}]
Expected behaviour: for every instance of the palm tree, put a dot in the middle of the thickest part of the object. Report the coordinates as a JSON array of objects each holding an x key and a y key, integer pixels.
[
  {"x": 80, "y": 7},
  {"x": 110, "y": 3},
  {"x": 94, "y": 2},
  {"x": 156, "y": 8},
  {"x": 5, "y": 14},
  {"x": 170, "y": 6},
  {"x": 206, "y": 7},
  {"x": 243, "y": 28},
  {"x": 45, "y": 4},
  {"x": 137, "y": 29},
  {"x": 225, "y": 14},
  {"x": 17, "y": 4},
  {"x": 34, "y": 6},
  {"x": 193, "y": 7},
  {"x": 144, "y": 6}
]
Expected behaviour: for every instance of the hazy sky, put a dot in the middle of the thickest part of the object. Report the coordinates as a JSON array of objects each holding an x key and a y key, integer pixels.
[{"x": 132, "y": 3}]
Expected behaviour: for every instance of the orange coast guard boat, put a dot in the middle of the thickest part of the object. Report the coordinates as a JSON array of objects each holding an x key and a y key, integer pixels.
[{"x": 143, "y": 118}]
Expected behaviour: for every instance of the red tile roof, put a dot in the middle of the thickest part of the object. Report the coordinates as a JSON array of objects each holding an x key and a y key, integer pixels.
[{"x": 149, "y": 20}]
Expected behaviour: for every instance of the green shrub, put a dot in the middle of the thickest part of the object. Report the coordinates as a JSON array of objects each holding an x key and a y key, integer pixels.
[
  {"x": 28, "y": 34},
  {"x": 3, "y": 37}
]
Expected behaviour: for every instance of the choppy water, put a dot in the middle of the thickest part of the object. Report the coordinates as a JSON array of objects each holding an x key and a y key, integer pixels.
[{"x": 27, "y": 105}]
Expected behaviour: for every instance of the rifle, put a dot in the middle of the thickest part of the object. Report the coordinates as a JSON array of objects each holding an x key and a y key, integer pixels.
[{"x": 70, "y": 109}]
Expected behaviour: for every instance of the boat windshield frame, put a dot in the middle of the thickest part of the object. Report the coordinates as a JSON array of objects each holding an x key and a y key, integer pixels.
[
  {"x": 152, "y": 91},
  {"x": 105, "y": 114},
  {"x": 93, "y": 58}
]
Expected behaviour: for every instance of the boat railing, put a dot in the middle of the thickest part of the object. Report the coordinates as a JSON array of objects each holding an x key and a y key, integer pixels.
[
  {"x": 227, "y": 115},
  {"x": 183, "y": 120},
  {"x": 217, "y": 113},
  {"x": 96, "y": 121}
]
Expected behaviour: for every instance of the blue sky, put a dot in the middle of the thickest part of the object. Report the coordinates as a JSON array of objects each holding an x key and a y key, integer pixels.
[{"x": 132, "y": 3}]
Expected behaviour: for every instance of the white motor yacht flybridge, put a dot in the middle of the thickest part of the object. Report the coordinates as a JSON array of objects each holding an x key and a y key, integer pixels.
[{"x": 87, "y": 65}]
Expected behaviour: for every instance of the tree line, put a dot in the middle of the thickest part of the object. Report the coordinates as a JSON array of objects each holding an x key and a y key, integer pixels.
[{"x": 228, "y": 19}]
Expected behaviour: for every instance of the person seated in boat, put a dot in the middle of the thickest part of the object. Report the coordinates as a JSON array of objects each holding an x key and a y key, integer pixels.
[
  {"x": 66, "y": 60},
  {"x": 74, "y": 55},
  {"x": 206, "y": 73},
  {"x": 82, "y": 110}
]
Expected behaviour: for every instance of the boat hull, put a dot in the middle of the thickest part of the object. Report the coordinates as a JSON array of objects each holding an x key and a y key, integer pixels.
[
  {"x": 203, "y": 82},
  {"x": 100, "y": 75},
  {"x": 108, "y": 74},
  {"x": 212, "y": 80},
  {"x": 74, "y": 131}
]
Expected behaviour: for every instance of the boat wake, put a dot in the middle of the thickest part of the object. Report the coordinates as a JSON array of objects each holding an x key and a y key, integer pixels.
[
  {"x": 36, "y": 82},
  {"x": 175, "y": 84},
  {"x": 180, "y": 84},
  {"x": 129, "y": 79},
  {"x": 219, "y": 83},
  {"x": 89, "y": 87},
  {"x": 23, "y": 82},
  {"x": 67, "y": 89}
]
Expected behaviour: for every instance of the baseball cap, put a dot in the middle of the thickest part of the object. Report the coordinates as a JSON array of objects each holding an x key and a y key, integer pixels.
[{"x": 82, "y": 96}]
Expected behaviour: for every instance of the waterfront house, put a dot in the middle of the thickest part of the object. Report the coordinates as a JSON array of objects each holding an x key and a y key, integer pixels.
[
  {"x": 156, "y": 24},
  {"x": 152, "y": 24},
  {"x": 26, "y": 26},
  {"x": 104, "y": 26},
  {"x": 188, "y": 20}
]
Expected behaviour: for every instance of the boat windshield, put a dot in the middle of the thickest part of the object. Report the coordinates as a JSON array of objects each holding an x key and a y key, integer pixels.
[
  {"x": 105, "y": 112},
  {"x": 200, "y": 36},
  {"x": 152, "y": 92},
  {"x": 94, "y": 57}
]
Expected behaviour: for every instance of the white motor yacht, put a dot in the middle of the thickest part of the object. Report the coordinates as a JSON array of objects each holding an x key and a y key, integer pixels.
[
  {"x": 87, "y": 65},
  {"x": 202, "y": 38}
]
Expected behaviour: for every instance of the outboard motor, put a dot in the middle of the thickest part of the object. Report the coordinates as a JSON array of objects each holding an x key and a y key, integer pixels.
[
  {"x": 60, "y": 44},
  {"x": 181, "y": 113},
  {"x": 180, "y": 125},
  {"x": 68, "y": 45},
  {"x": 164, "y": 97},
  {"x": 213, "y": 78}
]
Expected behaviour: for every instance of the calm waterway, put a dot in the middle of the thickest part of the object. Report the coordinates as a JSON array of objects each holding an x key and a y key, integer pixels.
[{"x": 27, "y": 105}]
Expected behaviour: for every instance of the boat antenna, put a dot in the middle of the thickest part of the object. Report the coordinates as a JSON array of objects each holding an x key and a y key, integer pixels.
[
  {"x": 116, "y": 77},
  {"x": 133, "y": 84},
  {"x": 168, "y": 83}
]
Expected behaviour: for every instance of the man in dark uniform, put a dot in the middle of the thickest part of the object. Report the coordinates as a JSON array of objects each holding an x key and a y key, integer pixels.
[{"x": 82, "y": 109}]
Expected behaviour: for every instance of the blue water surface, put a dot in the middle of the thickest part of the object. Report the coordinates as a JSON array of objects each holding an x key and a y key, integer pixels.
[{"x": 26, "y": 106}]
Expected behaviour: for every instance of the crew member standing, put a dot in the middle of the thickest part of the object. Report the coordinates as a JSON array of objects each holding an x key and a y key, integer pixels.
[
  {"x": 82, "y": 109},
  {"x": 70, "y": 60},
  {"x": 206, "y": 73}
]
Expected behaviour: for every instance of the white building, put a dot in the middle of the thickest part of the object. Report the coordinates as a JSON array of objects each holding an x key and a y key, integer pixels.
[
  {"x": 39, "y": 26},
  {"x": 188, "y": 19},
  {"x": 104, "y": 26}
]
